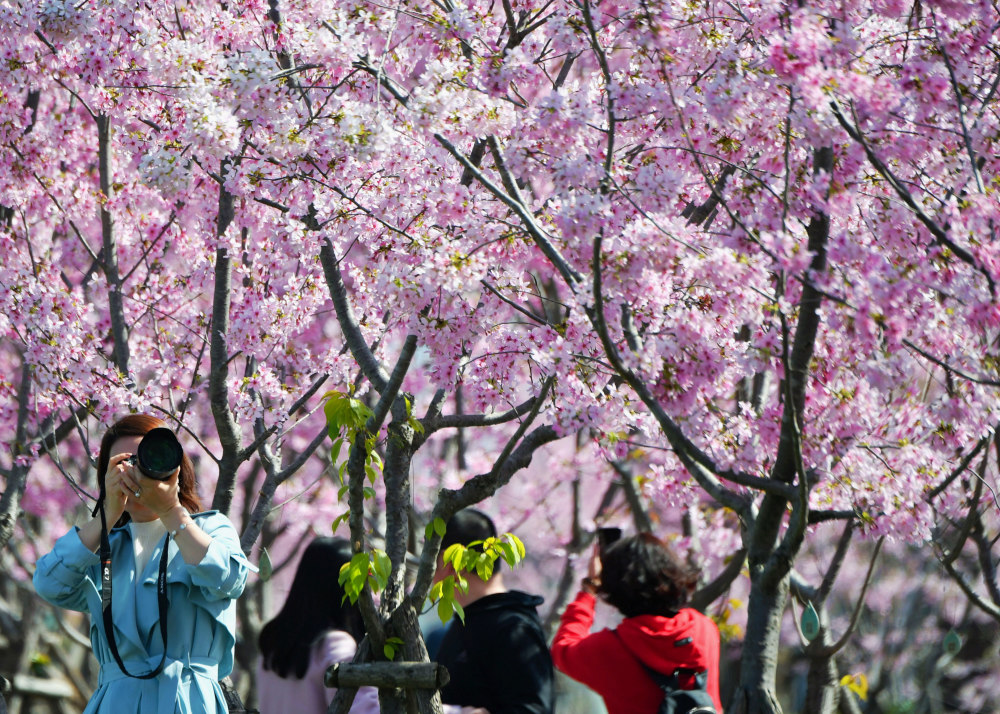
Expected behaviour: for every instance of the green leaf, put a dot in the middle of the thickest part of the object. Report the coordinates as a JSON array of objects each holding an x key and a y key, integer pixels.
[
  {"x": 346, "y": 580},
  {"x": 339, "y": 519},
  {"x": 809, "y": 622},
  {"x": 460, "y": 610},
  {"x": 453, "y": 554},
  {"x": 358, "y": 578},
  {"x": 360, "y": 413},
  {"x": 354, "y": 574},
  {"x": 444, "y": 610},
  {"x": 521, "y": 552},
  {"x": 344, "y": 412},
  {"x": 368, "y": 492},
  {"x": 341, "y": 492},
  {"x": 382, "y": 567},
  {"x": 391, "y": 645},
  {"x": 439, "y": 526},
  {"x": 335, "y": 450},
  {"x": 372, "y": 474},
  {"x": 484, "y": 567},
  {"x": 330, "y": 409},
  {"x": 509, "y": 554},
  {"x": 264, "y": 565}
]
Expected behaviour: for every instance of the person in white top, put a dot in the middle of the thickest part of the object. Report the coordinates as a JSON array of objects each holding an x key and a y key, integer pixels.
[{"x": 315, "y": 628}]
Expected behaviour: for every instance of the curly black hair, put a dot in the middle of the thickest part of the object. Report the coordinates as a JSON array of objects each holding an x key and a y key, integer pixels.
[{"x": 641, "y": 575}]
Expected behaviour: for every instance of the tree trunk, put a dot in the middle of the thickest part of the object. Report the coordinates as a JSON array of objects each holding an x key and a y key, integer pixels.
[
  {"x": 406, "y": 624},
  {"x": 823, "y": 680},
  {"x": 823, "y": 686},
  {"x": 759, "y": 665},
  {"x": 17, "y": 478}
]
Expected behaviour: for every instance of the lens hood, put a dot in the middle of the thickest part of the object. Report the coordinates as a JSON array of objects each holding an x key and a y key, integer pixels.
[{"x": 159, "y": 454}]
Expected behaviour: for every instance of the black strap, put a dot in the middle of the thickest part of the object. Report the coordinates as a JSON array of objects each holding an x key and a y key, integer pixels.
[
  {"x": 671, "y": 682},
  {"x": 161, "y": 597}
]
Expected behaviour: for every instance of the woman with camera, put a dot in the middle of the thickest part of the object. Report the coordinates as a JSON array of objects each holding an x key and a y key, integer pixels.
[
  {"x": 165, "y": 585},
  {"x": 660, "y": 637}
]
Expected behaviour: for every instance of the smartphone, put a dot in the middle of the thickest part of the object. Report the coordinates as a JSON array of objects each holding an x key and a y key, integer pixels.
[{"x": 607, "y": 536}]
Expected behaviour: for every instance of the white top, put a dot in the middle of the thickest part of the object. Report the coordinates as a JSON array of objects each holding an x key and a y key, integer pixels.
[
  {"x": 145, "y": 536},
  {"x": 310, "y": 695}
]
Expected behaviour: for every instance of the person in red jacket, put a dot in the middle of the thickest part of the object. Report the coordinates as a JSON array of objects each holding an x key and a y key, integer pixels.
[{"x": 650, "y": 586}]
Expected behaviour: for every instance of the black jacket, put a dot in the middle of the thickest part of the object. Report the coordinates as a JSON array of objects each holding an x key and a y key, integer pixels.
[{"x": 499, "y": 659}]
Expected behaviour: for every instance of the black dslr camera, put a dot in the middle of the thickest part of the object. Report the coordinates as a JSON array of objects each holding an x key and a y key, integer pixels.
[{"x": 159, "y": 454}]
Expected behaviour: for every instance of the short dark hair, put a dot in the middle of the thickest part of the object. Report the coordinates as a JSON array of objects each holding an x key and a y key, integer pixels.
[
  {"x": 468, "y": 526},
  {"x": 641, "y": 575},
  {"x": 315, "y": 605}
]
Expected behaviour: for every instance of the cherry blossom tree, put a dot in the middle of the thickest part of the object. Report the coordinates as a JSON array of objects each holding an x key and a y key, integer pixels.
[{"x": 755, "y": 238}]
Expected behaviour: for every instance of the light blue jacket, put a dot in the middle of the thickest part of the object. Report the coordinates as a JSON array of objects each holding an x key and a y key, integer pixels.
[{"x": 201, "y": 620}]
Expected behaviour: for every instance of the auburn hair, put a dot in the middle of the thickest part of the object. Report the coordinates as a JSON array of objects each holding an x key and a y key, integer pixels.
[{"x": 140, "y": 425}]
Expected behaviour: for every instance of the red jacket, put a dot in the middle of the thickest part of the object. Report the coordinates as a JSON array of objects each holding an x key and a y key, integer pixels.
[{"x": 606, "y": 661}]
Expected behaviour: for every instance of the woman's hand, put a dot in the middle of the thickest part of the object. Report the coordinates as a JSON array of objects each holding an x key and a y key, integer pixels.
[
  {"x": 116, "y": 494},
  {"x": 158, "y": 496},
  {"x": 592, "y": 582},
  {"x": 594, "y": 568}
]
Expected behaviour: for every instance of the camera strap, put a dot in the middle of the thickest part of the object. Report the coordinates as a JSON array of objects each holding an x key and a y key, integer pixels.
[{"x": 161, "y": 598}]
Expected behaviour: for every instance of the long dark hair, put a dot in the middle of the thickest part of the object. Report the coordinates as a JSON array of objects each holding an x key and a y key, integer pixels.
[
  {"x": 315, "y": 605},
  {"x": 641, "y": 575},
  {"x": 140, "y": 425}
]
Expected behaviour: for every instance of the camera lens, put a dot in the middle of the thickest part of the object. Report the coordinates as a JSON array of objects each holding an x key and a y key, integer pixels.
[{"x": 159, "y": 454}]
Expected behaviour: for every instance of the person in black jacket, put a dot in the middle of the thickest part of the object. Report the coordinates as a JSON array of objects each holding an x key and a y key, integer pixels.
[{"x": 499, "y": 659}]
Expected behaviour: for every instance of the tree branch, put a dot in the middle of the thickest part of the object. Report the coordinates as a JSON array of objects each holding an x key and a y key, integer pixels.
[
  {"x": 939, "y": 234},
  {"x": 391, "y": 388},
  {"x": 698, "y": 463},
  {"x": 119, "y": 328},
  {"x": 17, "y": 478},
  {"x": 230, "y": 434},
  {"x": 476, "y": 489},
  {"x": 269, "y": 431},
  {"x": 363, "y": 355},
  {"x": 460, "y": 421},
  {"x": 833, "y": 649},
  {"x": 640, "y": 514},
  {"x": 706, "y": 595}
]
